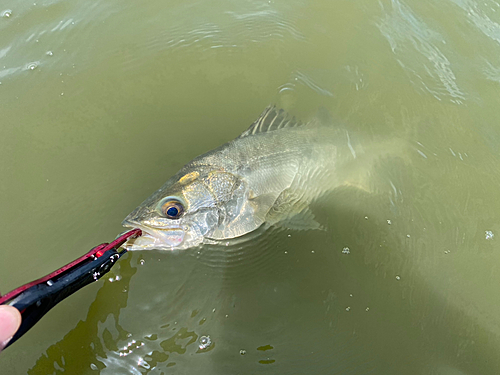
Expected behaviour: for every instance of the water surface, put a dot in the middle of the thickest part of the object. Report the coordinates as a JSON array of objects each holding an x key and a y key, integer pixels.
[{"x": 102, "y": 101}]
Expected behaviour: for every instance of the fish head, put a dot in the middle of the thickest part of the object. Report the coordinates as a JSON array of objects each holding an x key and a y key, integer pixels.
[{"x": 190, "y": 207}]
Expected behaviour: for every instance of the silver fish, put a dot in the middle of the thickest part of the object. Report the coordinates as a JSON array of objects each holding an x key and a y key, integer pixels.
[{"x": 267, "y": 176}]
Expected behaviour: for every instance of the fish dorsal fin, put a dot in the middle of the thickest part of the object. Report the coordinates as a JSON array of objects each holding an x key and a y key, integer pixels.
[{"x": 271, "y": 119}]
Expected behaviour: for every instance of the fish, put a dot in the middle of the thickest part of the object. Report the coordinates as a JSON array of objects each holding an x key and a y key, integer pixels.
[{"x": 269, "y": 175}]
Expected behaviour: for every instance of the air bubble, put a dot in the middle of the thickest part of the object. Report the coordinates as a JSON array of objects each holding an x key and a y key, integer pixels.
[
  {"x": 205, "y": 342},
  {"x": 7, "y": 13},
  {"x": 348, "y": 308},
  {"x": 49, "y": 53},
  {"x": 142, "y": 261},
  {"x": 398, "y": 277},
  {"x": 142, "y": 363},
  {"x": 113, "y": 279},
  {"x": 32, "y": 66}
]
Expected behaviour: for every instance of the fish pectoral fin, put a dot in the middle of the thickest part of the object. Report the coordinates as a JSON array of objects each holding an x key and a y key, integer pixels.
[
  {"x": 304, "y": 220},
  {"x": 251, "y": 216},
  {"x": 261, "y": 205},
  {"x": 255, "y": 197}
]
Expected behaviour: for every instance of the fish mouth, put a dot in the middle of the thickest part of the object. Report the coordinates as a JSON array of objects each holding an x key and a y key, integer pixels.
[{"x": 154, "y": 238}]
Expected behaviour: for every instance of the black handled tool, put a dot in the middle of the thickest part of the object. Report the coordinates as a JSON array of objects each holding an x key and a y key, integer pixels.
[{"x": 36, "y": 298}]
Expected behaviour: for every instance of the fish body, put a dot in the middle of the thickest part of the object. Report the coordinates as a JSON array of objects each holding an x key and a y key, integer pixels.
[{"x": 268, "y": 175}]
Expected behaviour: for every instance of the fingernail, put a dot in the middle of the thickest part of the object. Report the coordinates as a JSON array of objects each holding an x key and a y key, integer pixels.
[{"x": 4, "y": 343}]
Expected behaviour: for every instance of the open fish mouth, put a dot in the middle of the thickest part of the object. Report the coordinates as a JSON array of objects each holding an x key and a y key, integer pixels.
[{"x": 154, "y": 239}]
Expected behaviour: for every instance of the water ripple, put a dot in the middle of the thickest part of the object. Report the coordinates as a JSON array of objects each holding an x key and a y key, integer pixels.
[
  {"x": 240, "y": 30},
  {"x": 242, "y": 259},
  {"x": 432, "y": 72},
  {"x": 480, "y": 18},
  {"x": 307, "y": 80}
]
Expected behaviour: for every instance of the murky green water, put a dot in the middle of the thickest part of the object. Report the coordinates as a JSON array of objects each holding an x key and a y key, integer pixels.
[{"x": 101, "y": 101}]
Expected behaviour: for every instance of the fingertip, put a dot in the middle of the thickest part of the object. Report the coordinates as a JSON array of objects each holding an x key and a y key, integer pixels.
[{"x": 10, "y": 320}]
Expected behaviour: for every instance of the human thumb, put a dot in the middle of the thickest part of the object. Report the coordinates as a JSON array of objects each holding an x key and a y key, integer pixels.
[{"x": 10, "y": 320}]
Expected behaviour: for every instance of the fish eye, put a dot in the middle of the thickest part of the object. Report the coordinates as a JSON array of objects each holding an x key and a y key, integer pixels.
[{"x": 172, "y": 209}]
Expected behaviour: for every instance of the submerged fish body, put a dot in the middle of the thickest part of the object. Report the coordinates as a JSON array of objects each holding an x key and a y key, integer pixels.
[{"x": 268, "y": 175}]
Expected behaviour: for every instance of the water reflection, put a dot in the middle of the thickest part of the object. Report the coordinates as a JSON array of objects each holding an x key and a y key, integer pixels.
[{"x": 92, "y": 338}]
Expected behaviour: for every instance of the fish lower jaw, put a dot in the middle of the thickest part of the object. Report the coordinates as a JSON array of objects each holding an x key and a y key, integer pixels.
[
  {"x": 147, "y": 242},
  {"x": 155, "y": 239}
]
